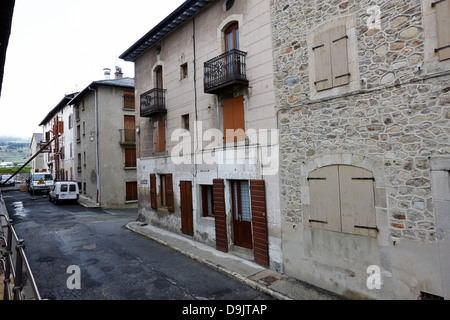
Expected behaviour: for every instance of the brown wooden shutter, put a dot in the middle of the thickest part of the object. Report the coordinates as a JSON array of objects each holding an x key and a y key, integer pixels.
[
  {"x": 128, "y": 99},
  {"x": 169, "y": 193},
  {"x": 322, "y": 57},
  {"x": 339, "y": 56},
  {"x": 259, "y": 221},
  {"x": 220, "y": 215},
  {"x": 160, "y": 136},
  {"x": 156, "y": 136},
  {"x": 234, "y": 119},
  {"x": 443, "y": 28},
  {"x": 153, "y": 191},
  {"x": 60, "y": 127}
]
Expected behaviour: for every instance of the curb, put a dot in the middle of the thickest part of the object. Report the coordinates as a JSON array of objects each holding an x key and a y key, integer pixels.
[{"x": 253, "y": 284}]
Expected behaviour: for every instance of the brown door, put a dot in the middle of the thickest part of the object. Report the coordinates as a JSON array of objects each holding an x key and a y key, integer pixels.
[
  {"x": 242, "y": 216},
  {"x": 187, "y": 220}
]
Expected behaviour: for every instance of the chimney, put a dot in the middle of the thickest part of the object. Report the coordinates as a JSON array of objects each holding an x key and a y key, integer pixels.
[
  {"x": 118, "y": 74},
  {"x": 107, "y": 73}
]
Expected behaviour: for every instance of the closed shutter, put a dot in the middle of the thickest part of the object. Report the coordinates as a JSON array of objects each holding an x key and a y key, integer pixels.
[
  {"x": 259, "y": 222},
  {"x": 131, "y": 192},
  {"x": 153, "y": 191},
  {"x": 128, "y": 99},
  {"x": 339, "y": 56},
  {"x": 169, "y": 193},
  {"x": 60, "y": 127},
  {"x": 234, "y": 119},
  {"x": 324, "y": 199},
  {"x": 220, "y": 215},
  {"x": 357, "y": 201},
  {"x": 322, "y": 58},
  {"x": 443, "y": 28}
]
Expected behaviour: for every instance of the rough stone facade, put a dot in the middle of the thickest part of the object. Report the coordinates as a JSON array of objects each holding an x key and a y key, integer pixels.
[{"x": 392, "y": 118}]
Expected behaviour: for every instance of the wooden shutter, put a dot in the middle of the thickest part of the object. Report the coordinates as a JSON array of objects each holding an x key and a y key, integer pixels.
[
  {"x": 60, "y": 127},
  {"x": 160, "y": 136},
  {"x": 128, "y": 99},
  {"x": 259, "y": 221},
  {"x": 169, "y": 193},
  {"x": 357, "y": 201},
  {"x": 322, "y": 56},
  {"x": 220, "y": 215},
  {"x": 443, "y": 28},
  {"x": 324, "y": 199},
  {"x": 153, "y": 191},
  {"x": 339, "y": 56},
  {"x": 131, "y": 191},
  {"x": 130, "y": 158},
  {"x": 234, "y": 119}
]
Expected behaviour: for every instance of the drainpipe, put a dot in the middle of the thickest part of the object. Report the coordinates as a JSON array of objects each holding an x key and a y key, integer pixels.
[
  {"x": 97, "y": 164},
  {"x": 195, "y": 95}
]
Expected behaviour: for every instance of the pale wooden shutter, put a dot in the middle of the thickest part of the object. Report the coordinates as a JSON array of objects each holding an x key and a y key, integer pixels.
[
  {"x": 324, "y": 199},
  {"x": 443, "y": 28},
  {"x": 322, "y": 56},
  {"x": 220, "y": 215},
  {"x": 169, "y": 193},
  {"x": 153, "y": 190},
  {"x": 259, "y": 222},
  {"x": 357, "y": 201},
  {"x": 339, "y": 56}
]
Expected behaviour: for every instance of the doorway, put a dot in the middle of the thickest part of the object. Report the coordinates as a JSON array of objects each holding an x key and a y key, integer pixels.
[
  {"x": 187, "y": 219},
  {"x": 242, "y": 216}
]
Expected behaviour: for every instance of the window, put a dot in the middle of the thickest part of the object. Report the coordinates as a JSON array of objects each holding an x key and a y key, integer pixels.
[
  {"x": 131, "y": 191},
  {"x": 159, "y": 133},
  {"x": 79, "y": 162},
  {"x": 84, "y": 187},
  {"x": 342, "y": 200},
  {"x": 233, "y": 119},
  {"x": 72, "y": 188},
  {"x": 184, "y": 71},
  {"x": 70, "y": 121},
  {"x": 241, "y": 200},
  {"x": 128, "y": 99},
  {"x": 232, "y": 37},
  {"x": 331, "y": 58},
  {"x": 207, "y": 201},
  {"x": 64, "y": 188},
  {"x": 130, "y": 158},
  {"x": 185, "y": 122},
  {"x": 78, "y": 134},
  {"x": 443, "y": 31}
]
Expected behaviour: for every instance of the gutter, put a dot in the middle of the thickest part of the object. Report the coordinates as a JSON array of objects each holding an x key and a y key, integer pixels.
[{"x": 97, "y": 162}]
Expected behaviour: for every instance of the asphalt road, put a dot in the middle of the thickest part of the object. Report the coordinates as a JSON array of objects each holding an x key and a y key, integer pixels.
[{"x": 113, "y": 262}]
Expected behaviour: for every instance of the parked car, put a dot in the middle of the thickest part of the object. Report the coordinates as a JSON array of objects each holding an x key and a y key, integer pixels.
[
  {"x": 64, "y": 191},
  {"x": 11, "y": 182}
]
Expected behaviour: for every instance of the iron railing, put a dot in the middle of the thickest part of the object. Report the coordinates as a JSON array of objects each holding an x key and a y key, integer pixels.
[
  {"x": 127, "y": 136},
  {"x": 227, "y": 69},
  {"x": 152, "y": 102},
  {"x": 13, "y": 290}
]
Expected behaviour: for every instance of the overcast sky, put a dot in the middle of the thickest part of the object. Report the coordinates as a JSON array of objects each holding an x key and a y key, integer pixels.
[{"x": 59, "y": 47}]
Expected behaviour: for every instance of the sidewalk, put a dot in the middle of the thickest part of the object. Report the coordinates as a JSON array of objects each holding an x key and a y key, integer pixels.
[{"x": 268, "y": 281}]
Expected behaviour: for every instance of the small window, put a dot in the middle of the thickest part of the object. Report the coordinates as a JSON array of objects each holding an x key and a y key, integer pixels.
[
  {"x": 229, "y": 4},
  {"x": 64, "y": 188},
  {"x": 207, "y": 201},
  {"x": 72, "y": 188},
  {"x": 185, "y": 122},
  {"x": 131, "y": 192},
  {"x": 184, "y": 71}
]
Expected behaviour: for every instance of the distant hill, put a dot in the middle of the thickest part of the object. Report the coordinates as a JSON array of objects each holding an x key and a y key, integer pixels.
[{"x": 14, "y": 149}]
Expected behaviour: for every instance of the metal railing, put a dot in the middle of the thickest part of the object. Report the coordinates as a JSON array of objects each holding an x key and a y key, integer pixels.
[
  {"x": 12, "y": 264},
  {"x": 153, "y": 101},
  {"x": 227, "y": 69},
  {"x": 127, "y": 136}
]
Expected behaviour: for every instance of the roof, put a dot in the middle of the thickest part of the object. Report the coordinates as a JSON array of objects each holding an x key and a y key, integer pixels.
[
  {"x": 122, "y": 83},
  {"x": 64, "y": 101},
  {"x": 184, "y": 12}
]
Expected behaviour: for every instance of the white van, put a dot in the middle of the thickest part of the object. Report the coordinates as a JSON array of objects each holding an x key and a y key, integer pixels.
[
  {"x": 64, "y": 191},
  {"x": 42, "y": 182}
]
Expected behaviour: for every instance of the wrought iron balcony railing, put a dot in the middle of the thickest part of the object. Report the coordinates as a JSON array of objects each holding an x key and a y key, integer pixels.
[
  {"x": 127, "y": 136},
  {"x": 225, "y": 70},
  {"x": 152, "y": 102}
]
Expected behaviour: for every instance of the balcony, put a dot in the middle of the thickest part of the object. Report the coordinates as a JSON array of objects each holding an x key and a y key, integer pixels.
[
  {"x": 153, "y": 102},
  {"x": 225, "y": 70},
  {"x": 127, "y": 137}
]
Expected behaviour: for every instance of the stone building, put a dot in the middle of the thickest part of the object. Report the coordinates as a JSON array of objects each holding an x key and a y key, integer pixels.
[
  {"x": 363, "y": 96},
  {"x": 37, "y": 164},
  {"x": 105, "y": 145},
  {"x": 207, "y": 126}
]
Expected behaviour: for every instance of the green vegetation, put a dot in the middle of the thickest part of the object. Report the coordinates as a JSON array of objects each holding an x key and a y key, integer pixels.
[
  {"x": 11, "y": 170},
  {"x": 14, "y": 150}
]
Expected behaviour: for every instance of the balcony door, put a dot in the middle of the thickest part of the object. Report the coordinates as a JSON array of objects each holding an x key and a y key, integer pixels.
[
  {"x": 159, "y": 86},
  {"x": 129, "y": 129},
  {"x": 232, "y": 43}
]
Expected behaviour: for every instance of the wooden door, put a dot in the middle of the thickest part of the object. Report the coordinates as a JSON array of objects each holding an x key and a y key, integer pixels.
[
  {"x": 187, "y": 219},
  {"x": 242, "y": 216},
  {"x": 259, "y": 221},
  {"x": 220, "y": 218}
]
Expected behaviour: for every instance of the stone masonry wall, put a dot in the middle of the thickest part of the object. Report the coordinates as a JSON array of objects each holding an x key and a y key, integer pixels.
[{"x": 397, "y": 114}]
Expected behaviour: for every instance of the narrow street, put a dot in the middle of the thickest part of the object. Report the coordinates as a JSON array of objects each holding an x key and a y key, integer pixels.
[{"x": 114, "y": 263}]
